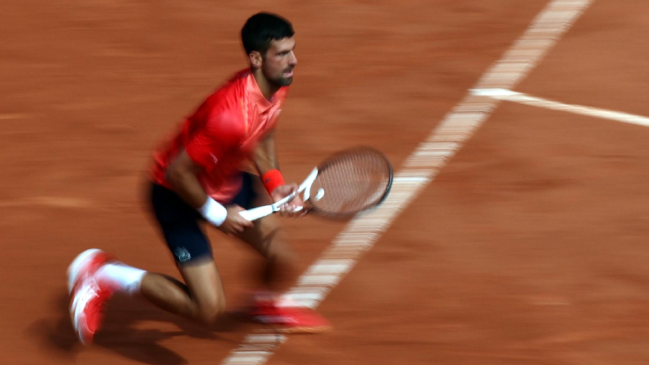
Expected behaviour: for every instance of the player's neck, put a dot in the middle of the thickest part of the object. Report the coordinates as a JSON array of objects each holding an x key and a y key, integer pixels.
[{"x": 267, "y": 88}]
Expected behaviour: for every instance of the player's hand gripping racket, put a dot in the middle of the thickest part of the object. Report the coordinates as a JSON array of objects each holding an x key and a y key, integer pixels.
[{"x": 343, "y": 185}]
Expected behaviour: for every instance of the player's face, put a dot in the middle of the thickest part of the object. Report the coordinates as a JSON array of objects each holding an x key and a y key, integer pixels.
[{"x": 279, "y": 62}]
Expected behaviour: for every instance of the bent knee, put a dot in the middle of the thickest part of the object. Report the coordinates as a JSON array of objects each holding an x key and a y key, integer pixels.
[
  {"x": 209, "y": 310},
  {"x": 208, "y": 313},
  {"x": 285, "y": 257}
]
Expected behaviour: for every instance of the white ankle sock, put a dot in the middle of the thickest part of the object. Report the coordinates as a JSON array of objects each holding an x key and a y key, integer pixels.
[{"x": 127, "y": 278}]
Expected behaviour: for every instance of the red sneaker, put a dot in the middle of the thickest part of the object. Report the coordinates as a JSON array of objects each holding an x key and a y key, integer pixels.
[
  {"x": 87, "y": 307},
  {"x": 289, "y": 319},
  {"x": 88, "y": 297}
]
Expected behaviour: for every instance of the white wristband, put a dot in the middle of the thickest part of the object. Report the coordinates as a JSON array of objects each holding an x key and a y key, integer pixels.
[{"x": 213, "y": 212}]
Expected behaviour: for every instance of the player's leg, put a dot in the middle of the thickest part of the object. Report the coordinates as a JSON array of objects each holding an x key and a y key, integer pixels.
[
  {"x": 267, "y": 238},
  {"x": 201, "y": 297},
  {"x": 279, "y": 271},
  {"x": 269, "y": 307},
  {"x": 94, "y": 276}
]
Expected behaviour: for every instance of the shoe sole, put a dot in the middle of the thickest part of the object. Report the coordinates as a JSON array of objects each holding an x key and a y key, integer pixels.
[
  {"x": 81, "y": 261},
  {"x": 77, "y": 314},
  {"x": 290, "y": 329},
  {"x": 304, "y": 330}
]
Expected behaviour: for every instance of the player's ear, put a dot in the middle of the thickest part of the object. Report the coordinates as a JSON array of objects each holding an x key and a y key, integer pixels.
[{"x": 255, "y": 59}]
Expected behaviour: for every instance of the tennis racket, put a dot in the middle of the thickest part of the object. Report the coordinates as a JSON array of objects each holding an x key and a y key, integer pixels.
[{"x": 346, "y": 183}]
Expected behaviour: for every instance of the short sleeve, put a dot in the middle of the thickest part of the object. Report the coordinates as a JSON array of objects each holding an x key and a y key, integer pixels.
[{"x": 208, "y": 145}]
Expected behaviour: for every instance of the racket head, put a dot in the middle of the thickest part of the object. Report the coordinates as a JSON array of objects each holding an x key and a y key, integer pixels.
[{"x": 349, "y": 182}]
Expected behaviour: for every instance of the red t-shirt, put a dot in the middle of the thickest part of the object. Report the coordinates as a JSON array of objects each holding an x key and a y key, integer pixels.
[{"x": 221, "y": 135}]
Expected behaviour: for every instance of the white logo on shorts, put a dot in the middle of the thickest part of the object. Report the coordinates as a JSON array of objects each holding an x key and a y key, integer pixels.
[{"x": 182, "y": 254}]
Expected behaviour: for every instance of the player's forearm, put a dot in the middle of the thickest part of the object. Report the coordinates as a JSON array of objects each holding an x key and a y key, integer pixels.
[
  {"x": 185, "y": 183},
  {"x": 265, "y": 156},
  {"x": 182, "y": 176},
  {"x": 265, "y": 159}
]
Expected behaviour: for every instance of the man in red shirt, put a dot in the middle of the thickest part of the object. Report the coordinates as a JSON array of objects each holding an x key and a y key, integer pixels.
[{"x": 197, "y": 175}]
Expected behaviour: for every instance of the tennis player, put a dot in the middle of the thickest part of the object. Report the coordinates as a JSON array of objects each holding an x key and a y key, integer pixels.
[{"x": 197, "y": 176}]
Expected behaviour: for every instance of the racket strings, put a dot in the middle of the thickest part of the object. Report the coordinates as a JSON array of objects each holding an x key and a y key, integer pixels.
[{"x": 352, "y": 182}]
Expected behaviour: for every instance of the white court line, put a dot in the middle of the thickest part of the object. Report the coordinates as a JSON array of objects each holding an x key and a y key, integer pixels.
[
  {"x": 420, "y": 169},
  {"x": 513, "y": 96}
]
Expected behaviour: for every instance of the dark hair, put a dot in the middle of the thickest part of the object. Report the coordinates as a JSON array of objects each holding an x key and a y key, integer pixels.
[{"x": 262, "y": 28}]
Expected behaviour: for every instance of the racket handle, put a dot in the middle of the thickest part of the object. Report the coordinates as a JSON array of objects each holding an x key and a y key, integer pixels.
[
  {"x": 260, "y": 212},
  {"x": 256, "y": 213}
]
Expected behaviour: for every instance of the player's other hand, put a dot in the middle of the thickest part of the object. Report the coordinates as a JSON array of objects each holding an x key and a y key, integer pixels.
[
  {"x": 295, "y": 207},
  {"x": 234, "y": 223}
]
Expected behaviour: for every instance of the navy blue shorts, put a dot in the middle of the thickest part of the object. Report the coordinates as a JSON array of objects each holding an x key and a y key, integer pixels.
[{"x": 179, "y": 222}]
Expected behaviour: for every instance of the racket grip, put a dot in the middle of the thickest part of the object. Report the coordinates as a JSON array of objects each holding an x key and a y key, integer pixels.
[{"x": 256, "y": 213}]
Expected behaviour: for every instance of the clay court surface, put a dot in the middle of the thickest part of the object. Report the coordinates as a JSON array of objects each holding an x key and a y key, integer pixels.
[{"x": 529, "y": 247}]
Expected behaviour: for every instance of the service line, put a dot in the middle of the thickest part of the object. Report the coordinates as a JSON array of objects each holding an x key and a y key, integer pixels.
[{"x": 516, "y": 97}]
